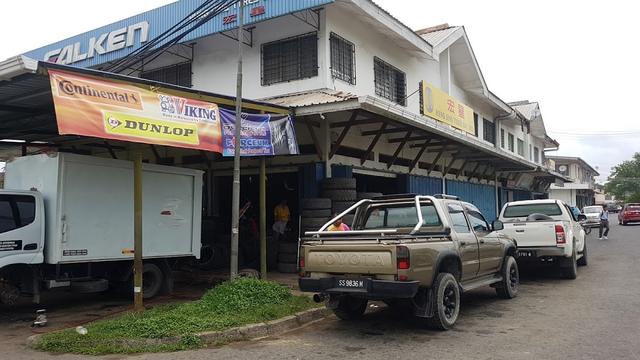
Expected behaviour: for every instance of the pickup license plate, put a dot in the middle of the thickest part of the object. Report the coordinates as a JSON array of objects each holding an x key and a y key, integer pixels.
[
  {"x": 526, "y": 253},
  {"x": 351, "y": 283}
]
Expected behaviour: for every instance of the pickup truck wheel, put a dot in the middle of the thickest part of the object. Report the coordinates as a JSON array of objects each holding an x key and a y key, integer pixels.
[
  {"x": 571, "y": 271},
  {"x": 508, "y": 287},
  {"x": 583, "y": 260},
  {"x": 350, "y": 308},
  {"x": 447, "y": 302}
]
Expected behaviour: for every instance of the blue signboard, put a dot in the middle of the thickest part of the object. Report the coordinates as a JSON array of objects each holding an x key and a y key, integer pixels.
[{"x": 121, "y": 38}]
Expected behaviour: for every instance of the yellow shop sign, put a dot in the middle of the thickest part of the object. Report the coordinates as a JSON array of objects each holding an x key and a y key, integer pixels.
[{"x": 438, "y": 105}]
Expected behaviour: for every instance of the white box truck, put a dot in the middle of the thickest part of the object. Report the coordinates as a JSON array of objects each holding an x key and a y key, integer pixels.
[{"x": 66, "y": 220}]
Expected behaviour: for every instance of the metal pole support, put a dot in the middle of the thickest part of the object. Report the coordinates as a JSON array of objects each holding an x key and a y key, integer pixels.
[
  {"x": 137, "y": 232},
  {"x": 263, "y": 218}
]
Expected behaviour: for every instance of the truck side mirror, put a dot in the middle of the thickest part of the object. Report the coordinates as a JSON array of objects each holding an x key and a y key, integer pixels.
[
  {"x": 582, "y": 217},
  {"x": 497, "y": 225}
]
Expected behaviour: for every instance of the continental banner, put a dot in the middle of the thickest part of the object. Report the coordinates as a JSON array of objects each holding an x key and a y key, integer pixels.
[
  {"x": 438, "y": 105},
  {"x": 261, "y": 134},
  {"x": 107, "y": 109}
]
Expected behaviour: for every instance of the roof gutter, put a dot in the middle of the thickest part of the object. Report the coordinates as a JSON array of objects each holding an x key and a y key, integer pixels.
[{"x": 16, "y": 66}]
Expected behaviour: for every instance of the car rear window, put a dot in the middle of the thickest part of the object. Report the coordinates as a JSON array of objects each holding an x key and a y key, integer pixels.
[
  {"x": 516, "y": 211},
  {"x": 403, "y": 216},
  {"x": 634, "y": 208}
]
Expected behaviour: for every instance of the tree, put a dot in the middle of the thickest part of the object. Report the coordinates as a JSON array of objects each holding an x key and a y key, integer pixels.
[{"x": 624, "y": 181}]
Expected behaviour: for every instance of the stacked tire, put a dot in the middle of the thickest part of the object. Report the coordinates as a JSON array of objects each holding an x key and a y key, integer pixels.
[
  {"x": 342, "y": 192},
  {"x": 287, "y": 257}
]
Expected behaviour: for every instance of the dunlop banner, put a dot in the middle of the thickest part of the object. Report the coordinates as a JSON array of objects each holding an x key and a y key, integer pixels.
[
  {"x": 104, "y": 108},
  {"x": 437, "y": 104}
]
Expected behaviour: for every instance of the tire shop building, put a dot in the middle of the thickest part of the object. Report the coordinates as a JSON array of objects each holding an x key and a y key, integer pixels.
[{"x": 379, "y": 107}]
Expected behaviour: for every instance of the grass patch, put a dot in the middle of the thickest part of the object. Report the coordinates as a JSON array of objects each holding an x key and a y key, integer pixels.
[{"x": 231, "y": 304}]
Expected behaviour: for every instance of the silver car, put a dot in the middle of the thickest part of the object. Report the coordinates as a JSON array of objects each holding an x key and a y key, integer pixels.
[{"x": 593, "y": 215}]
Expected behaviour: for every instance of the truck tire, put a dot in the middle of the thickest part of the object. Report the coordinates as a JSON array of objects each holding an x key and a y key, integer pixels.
[
  {"x": 583, "y": 260},
  {"x": 313, "y": 224},
  {"x": 316, "y": 213},
  {"x": 288, "y": 248},
  {"x": 350, "y": 308},
  {"x": 339, "y": 183},
  {"x": 570, "y": 271},
  {"x": 287, "y": 268},
  {"x": 340, "y": 195},
  {"x": 152, "y": 280},
  {"x": 363, "y": 195},
  {"x": 446, "y": 307},
  {"x": 316, "y": 203},
  {"x": 508, "y": 287},
  {"x": 340, "y": 206},
  {"x": 288, "y": 258}
]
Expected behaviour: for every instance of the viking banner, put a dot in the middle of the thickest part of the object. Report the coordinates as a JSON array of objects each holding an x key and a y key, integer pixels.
[
  {"x": 108, "y": 109},
  {"x": 262, "y": 134}
]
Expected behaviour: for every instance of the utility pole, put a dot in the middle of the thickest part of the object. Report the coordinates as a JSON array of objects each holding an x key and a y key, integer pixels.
[
  {"x": 137, "y": 232},
  {"x": 235, "y": 201}
]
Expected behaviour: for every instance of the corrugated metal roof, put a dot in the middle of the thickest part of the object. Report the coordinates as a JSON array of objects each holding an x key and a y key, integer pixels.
[
  {"x": 527, "y": 109},
  {"x": 308, "y": 98},
  {"x": 436, "y": 37}
]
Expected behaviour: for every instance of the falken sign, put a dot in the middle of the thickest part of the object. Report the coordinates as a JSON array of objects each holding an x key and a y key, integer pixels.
[{"x": 115, "y": 41}]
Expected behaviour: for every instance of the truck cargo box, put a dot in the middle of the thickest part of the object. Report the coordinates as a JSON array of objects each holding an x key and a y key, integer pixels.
[{"x": 89, "y": 207}]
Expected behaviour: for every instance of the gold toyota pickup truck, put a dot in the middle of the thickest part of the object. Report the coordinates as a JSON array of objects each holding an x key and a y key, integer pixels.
[{"x": 408, "y": 250}]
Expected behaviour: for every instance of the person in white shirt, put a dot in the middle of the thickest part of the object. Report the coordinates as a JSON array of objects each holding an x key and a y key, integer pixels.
[{"x": 604, "y": 223}]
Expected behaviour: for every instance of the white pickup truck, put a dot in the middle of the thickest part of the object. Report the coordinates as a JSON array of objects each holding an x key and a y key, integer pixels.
[{"x": 546, "y": 231}]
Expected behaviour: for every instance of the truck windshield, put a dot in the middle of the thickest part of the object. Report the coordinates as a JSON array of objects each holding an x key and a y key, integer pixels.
[
  {"x": 400, "y": 216},
  {"x": 516, "y": 211}
]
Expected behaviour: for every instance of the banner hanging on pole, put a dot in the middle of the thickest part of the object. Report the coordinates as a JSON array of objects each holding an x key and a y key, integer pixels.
[
  {"x": 262, "y": 134},
  {"x": 103, "y": 108}
]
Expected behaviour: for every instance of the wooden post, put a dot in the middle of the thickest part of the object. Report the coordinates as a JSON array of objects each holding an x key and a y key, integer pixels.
[
  {"x": 137, "y": 232},
  {"x": 263, "y": 218}
]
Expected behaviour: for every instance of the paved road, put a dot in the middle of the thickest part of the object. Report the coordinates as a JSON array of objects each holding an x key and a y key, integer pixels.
[{"x": 596, "y": 316}]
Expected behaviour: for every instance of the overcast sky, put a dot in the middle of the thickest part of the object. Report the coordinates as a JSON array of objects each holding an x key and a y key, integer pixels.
[{"x": 577, "y": 58}]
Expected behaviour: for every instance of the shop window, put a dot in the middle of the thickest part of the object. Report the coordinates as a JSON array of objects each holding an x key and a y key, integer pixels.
[
  {"x": 290, "y": 59},
  {"x": 179, "y": 74},
  {"x": 489, "y": 130},
  {"x": 343, "y": 59},
  {"x": 520, "y": 147},
  {"x": 511, "y": 143},
  {"x": 390, "y": 82}
]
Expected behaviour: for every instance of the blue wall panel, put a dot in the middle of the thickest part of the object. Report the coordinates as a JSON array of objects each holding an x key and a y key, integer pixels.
[
  {"x": 310, "y": 176},
  {"x": 341, "y": 171},
  {"x": 421, "y": 185},
  {"x": 519, "y": 195},
  {"x": 480, "y": 195}
]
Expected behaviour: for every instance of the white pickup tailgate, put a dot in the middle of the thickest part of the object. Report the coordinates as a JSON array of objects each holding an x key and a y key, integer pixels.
[{"x": 532, "y": 233}]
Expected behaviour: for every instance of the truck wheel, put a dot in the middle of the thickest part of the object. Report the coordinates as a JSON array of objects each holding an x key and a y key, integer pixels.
[
  {"x": 583, "y": 260},
  {"x": 508, "y": 287},
  {"x": 9, "y": 293},
  {"x": 447, "y": 302},
  {"x": 350, "y": 308},
  {"x": 571, "y": 271},
  {"x": 152, "y": 279}
]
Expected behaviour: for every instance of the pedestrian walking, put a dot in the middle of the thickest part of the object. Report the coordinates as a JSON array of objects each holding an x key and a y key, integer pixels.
[{"x": 604, "y": 223}]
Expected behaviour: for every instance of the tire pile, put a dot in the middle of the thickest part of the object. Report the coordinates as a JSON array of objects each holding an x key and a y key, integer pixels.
[
  {"x": 287, "y": 257},
  {"x": 342, "y": 192}
]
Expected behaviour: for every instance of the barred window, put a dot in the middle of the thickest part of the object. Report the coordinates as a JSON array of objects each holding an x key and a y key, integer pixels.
[
  {"x": 391, "y": 83},
  {"x": 520, "y": 147},
  {"x": 536, "y": 155},
  {"x": 502, "y": 138},
  {"x": 489, "y": 131},
  {"x": 475, "y": 124},
  {"x": 511, "y": 142},
  {"x": 290, "y": 59},
  {"x": 179, "y": 74},
  {"x": 343, "y": 60}
]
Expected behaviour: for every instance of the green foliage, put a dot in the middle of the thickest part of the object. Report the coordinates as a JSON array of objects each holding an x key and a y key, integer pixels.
[
  {"x": 624, "y": 181},
  {"x": 235, "y": 303}
]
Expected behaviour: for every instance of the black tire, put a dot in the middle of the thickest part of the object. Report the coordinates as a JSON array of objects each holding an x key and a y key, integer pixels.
[
  {"x": 583, "y": 261},
  {"x": 364, "y": 195},
  {"x": 340, "y": 206},
  {"x": 287, "y": 258},
  {"x": 152, "y": 280},
  {"x": 447, "y": 302},
  {"x": 624, "y": 223},
  {"x": 207, "y": 258},
  {"x": 339, "y": 183},
  {"x": 340, "y": 195},
  {"x": 315, "y": 203},
  {"x": 350, "y": 308},
  {"x": 313, "y": 224},
  {"x": 287, "y": 268},
  {"x": 316, "y": 213},
  {"x": 288, "y": 248},
  {"x": 570, "y": 271},
  {"x": 508, "y": 287}
]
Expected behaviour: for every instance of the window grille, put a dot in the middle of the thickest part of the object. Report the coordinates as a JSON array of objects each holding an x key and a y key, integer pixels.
[
  {"x": 290, "y": 59},
  {"x": 489, "y": 130},
  {"x": 390, "y": 82},
  {"x": 179, "y": 74},
  {"x": 343, "y": 59},
  {"x": 520, "y": 147}
]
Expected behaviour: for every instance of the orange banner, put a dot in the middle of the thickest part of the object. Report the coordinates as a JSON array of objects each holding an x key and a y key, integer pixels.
[{"x": 107, "y": 109}]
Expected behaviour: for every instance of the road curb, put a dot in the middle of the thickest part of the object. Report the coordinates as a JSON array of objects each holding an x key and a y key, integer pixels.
[{"x": 247, "y": 332}]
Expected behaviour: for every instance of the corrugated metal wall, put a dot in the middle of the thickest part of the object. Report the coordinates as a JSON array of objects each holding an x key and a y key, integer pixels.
[
  {"x": 519, "y": 195},
  {"x": 341, "y": 171},
  {"x": 480, "y": 195},
  {"x": 421, "y": 185},
  {"x": 310, "y": 176}
]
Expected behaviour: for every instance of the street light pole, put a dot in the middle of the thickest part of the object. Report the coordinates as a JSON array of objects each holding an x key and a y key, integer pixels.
[{"x": 235, "y": 201}]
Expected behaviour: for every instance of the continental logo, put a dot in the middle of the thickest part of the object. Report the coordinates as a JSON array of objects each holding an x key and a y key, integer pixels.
[
  {"x": 99, "y": 93},
  {"x": 150, "y": 129}
]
